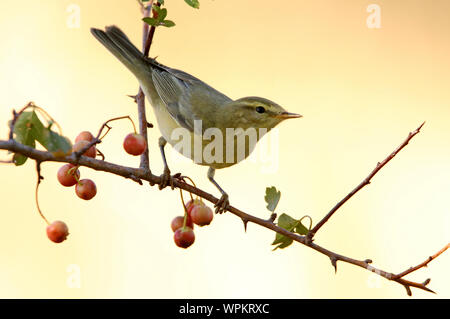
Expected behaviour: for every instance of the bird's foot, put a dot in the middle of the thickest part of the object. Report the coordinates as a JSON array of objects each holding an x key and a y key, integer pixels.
[
  {"x": 167, "y": 179},
  {"x": 222, "y": 205}
]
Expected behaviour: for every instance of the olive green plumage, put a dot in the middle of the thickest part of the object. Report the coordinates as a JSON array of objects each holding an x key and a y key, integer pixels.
[{"x": 180, "y": 99}]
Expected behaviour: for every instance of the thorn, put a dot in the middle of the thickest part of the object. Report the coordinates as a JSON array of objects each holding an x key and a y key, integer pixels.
[
  {"x": 149, "y": 125},
  {"x": 408, "y": 291},
  {"x": 309, "y": 238},
  {"x": 419, "y": 128},
  {"x": 272, "y": 217},
  {"x": 134, "y": 178},
  {"x": 177, "y": 175},
  {"x": 134, "y": 97},
  {"x": 334, "y": 263},
  {"x": 429, "y": 290},
  {"x": 245, "y": 221}
]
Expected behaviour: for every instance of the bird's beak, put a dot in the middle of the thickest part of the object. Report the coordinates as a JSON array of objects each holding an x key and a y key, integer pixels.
[{"x": 288, "y": 115}]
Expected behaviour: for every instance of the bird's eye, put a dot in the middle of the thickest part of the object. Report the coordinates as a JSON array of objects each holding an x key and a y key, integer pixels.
[{"x": 260, "y": 109}]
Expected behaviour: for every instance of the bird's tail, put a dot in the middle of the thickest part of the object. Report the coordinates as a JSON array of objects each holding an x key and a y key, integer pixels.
[{"x": 118, "y": 44}]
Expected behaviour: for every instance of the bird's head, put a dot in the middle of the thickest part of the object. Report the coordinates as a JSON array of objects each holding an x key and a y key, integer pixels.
[{"x": 258, "y": 112}]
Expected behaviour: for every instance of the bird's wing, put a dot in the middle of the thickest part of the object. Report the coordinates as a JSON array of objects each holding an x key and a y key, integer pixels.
[{"x": 181, "y": 93}]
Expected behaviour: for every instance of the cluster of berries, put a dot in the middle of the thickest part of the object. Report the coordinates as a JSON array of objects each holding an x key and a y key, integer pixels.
[
  {"x": 196, "y": 212},
  {"x": 69, "y": 175}
]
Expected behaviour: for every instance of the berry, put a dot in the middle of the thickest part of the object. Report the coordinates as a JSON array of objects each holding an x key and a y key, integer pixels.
[
  {"x": 134, "y": 144},
  {"x": 86, "y": 189},
  {"x": 84, "y": 136},
  {"x": 192, "y": 203},
  {"x": 67, "y": 178},
  {"x": 57, "y": 231},
  {"x": 78, "y": 146},
  {"x": 202, "y": 215},
  {"x": 184, "y": 237},
  {"x": 178, "y": 221}
]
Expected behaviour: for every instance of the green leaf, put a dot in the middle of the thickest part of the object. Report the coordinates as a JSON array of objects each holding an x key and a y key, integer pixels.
[
  {"x": 290, "y": 224},
  {"x": 193, "y": 3},
  {"x": 19, "y": 159},
  {"x": 156, "y": 8},
  {"x": 287, "y": 222},
  {"x": 272, "y": 198},
  {"x": 301, "y": 229},
  {"x": 167, "y": 23},
  {"x": 55, "y": 143},
  {"x": 162, "y": 14},
  {"x": 151, "y": 21},
  {"x": 282, "y": 241},
  {"x": 26, "y": 129}
]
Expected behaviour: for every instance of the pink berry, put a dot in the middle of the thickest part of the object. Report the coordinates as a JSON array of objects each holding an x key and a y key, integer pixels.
[
  {"x": 84, "y": 136},
  {"x": 184, "y": 237},
  {"x": 91, "y": 151},
  {"x": 86, "y": 189},
  {"x": 178, "y": 221},
  {"x": 202, "y": 215},
  {"x": 134, "y": 144},
  {"x": 57, "y": 231},
  {"x": 68, "y": 175},
  {"x": 192, "y": 203}
]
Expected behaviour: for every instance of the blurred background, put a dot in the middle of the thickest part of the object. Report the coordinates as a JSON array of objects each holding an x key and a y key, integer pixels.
[{"x": 362, "y": 83}]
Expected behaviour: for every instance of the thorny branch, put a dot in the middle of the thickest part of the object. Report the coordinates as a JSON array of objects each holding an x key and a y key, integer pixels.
[
  {"x": 147, "y": 38},
  {"x": 141, "y": 174},
  {"x": 144, "y": 173},
  {"x": 365, "y": 182}
]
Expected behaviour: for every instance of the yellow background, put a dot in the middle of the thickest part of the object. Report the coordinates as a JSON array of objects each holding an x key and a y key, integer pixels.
[{"x": 360, "y": 90}]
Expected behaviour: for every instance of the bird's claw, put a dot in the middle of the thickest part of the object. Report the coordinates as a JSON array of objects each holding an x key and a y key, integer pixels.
[
  {"x": 222, "y": 205},
  {"x": 167, "y": 179}
]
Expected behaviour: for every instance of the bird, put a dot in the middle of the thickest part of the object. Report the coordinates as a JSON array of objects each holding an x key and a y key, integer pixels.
[{"x": 183, "y": 103}]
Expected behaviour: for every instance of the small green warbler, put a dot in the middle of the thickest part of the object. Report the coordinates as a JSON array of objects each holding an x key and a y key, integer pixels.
[{"x": 182, "y": 102}]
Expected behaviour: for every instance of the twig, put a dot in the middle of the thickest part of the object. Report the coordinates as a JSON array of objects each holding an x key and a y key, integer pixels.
[
  {"x": 99, "y": 153},
  {"x": 109, "y": 128},
  {"x": 365, "y": 182},
  {"x": 98, "y": 139},
  {"x": 147, "y": 38},
  {"x": 149, "y": 34},
  {"x": 424, "y": 264},
  {"x": 36, "y": 192},
  {"x": 140, "y": 100},
  {"x": 140, "y": 174}
]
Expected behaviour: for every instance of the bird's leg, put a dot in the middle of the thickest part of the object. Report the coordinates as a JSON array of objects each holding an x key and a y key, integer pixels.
[
  {"x": 223, "y": 202},
  {"x": 166, "y": 179}
]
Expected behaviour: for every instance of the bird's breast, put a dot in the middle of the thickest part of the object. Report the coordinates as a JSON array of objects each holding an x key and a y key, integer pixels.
[{"x": 202, "y": 150}]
